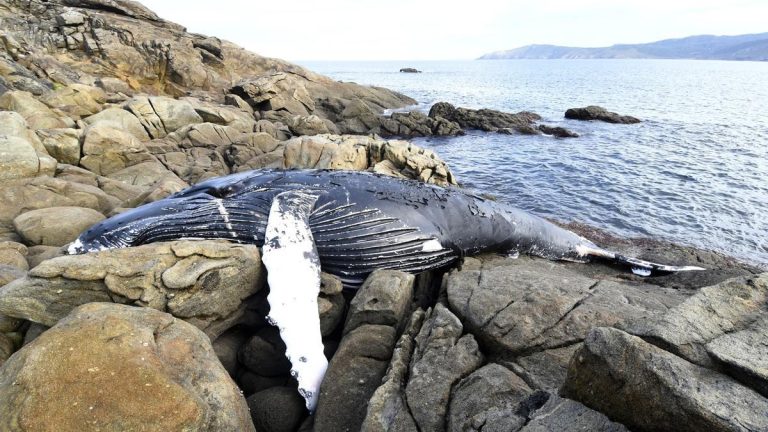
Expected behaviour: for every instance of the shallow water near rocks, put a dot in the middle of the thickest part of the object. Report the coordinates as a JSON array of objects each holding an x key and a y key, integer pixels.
[{"x": 694, "y": 172}]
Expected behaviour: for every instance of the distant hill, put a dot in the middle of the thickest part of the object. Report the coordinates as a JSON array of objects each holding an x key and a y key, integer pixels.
[{"x": 703, "y": 47}]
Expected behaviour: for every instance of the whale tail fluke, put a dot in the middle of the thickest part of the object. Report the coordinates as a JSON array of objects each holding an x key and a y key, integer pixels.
[{"x": 638, "y": 266}]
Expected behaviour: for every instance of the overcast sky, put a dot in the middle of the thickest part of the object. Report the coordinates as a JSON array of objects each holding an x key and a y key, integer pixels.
[{"x": 441, "y": 30}]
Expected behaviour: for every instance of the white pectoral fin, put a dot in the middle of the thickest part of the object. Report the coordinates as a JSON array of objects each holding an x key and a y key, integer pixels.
[{"x": 293, "y": 274}]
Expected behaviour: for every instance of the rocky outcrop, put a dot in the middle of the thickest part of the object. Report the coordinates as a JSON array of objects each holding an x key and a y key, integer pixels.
[
  {"x": 446, "y": 120},
  {"x": 415, "y": 123},
  {"x": 387, "y": 408},
  {"x": 44, "y": 192},
  {"x": 441, "y": 358},
  {"x": 112, "y": 107},
  {"x": 484, "y": 119},
  {"x": 392, "y": 157},
  {"x": 512, "y": 309},
  {"x": 594, "y": 112},
  {"x": 125, "y": 40},
  {"x": 162, "y": 115},
  {"x": 647, "y": 388},
  {"x": 55, "y": 226},
  {"x": 716, "y": 311},
  {"x": 96, "y": 52},
  {"x": 104, "y": 362},
  {"x": 202, "y": 282}
]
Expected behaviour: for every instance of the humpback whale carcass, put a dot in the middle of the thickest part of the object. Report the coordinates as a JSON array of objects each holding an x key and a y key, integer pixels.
[{"x": 348, "y": 224}]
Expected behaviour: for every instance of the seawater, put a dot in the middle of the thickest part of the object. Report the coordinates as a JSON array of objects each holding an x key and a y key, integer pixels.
[{"x": 695, "y": 171}]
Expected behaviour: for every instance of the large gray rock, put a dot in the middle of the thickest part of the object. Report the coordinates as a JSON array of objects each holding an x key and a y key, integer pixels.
[
  {"x": 310, "y": 125},
  {"x": 275, "y": 92},
  {"x": 415, "y": 123},
  {"x": 527, "y": 305},
  {"x": 23, "y": 195},
  {"x": 55, "y": 226},
  {"x": 384, "y": 299},
  {"x": 441, "y": 359},
  {"x": 375, "y": 317},
  {"x": 594, "y": 112},
  {"x": 744, "y": 355},
  {"x": 122, "y": 368},
  {"x": 388, "y": 409},
  {"x": 277, "y": 409},
  {"x": 485, "y": 119},
  {"x": 490, "y": 388},
  {"x": 714, "y": 311},
  {"x": 202, "y": 282},
  {"x": 330, "y": 303},
  {"x": 354, "y": 373},
  {"x": 649, "y": 389}
]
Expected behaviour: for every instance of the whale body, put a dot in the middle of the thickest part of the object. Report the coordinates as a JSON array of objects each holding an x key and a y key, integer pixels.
[{"x": 348, "y": 224}]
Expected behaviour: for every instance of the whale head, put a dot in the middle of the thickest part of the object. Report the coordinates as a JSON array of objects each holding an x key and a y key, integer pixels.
[{"x": 217, "y": 209}]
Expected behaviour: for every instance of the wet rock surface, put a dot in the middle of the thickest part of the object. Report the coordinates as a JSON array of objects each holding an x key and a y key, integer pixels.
[
  {"x": 594, "y": 112},
  {"x": 445, "y": 119}
]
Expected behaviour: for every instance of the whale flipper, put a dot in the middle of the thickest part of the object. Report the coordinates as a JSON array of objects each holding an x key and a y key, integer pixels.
[{"x": 293, "y": 273}]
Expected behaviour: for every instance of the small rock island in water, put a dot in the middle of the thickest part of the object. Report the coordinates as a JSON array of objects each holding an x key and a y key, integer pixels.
[{"x": 106, "y": 106}]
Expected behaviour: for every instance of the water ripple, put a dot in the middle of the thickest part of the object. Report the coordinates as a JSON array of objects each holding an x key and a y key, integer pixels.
[{"x": 695, "y": 171}]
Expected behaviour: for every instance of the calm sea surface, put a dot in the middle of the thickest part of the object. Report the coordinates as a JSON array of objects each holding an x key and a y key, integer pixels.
[{"x": 694, "y": 172}]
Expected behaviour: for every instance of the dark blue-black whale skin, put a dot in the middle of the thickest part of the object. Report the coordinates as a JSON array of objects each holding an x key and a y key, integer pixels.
[{"x": 360, "y": 222}]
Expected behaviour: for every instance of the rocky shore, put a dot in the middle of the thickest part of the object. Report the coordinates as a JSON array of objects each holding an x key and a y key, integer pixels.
[{"x": 105, "y": 106}]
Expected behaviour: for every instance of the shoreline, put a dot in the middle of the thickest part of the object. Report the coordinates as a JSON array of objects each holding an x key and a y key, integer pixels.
[{"x": 96, "y": 123}]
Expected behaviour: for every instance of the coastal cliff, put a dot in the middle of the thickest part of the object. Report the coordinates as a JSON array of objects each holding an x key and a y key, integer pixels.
[{"x": 105, "y": 106}]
